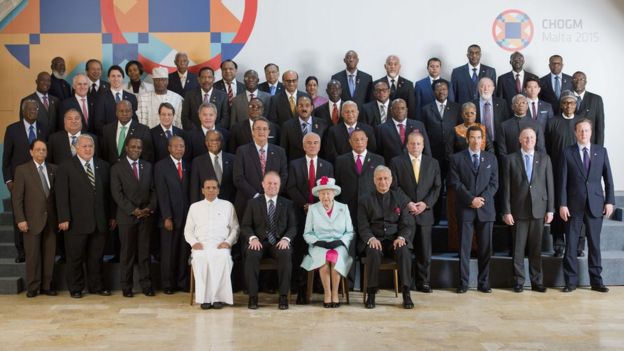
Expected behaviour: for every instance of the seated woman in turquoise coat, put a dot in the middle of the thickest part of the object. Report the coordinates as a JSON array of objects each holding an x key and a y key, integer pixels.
[{"x": 328, "y": 232}]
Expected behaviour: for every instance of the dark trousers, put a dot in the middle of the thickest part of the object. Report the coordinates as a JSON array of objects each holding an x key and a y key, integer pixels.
[
  {"x": 403, "y": 259},
  {"x": 174, "y": 254},
  {"x": 135, "y": 248},
  {"x": 422, "y": 250},
  {"x": 300, "y": 249},
  {"x": 80, "y": 249},
  {"x": 252, "y": 267},
  {"x": 558, "y": 229},
  {"x": 40, "y": 251},
  {"x": 18, "y": 239},
  {"x": 527, "y": 233},
  {"x": 593, "y": 226},
  {"x": 484, "y": 251}
]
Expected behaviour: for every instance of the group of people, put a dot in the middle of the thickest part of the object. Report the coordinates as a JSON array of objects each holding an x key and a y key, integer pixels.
[{"x": 312, "y": 184}]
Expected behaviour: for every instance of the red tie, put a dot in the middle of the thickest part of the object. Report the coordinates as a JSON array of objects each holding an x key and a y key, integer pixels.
[
  {"x": 311, "y": 181},
  {"x": 180, "y": 173},
  {"x": 334, "y": 115},
  {"x": 262, "y": 161},
  {"x": 230, "y": 93},
  {"x": 85, "y": 110},
  {"x": 135, "y": 170},
  {"x": 402, "y": 132},
  {"x": 518, "y": 84}
]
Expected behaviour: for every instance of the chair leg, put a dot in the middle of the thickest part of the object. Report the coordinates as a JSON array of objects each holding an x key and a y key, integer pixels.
[
  {"x": 192, "y": 287},
  {"x": 345, "y": 291},
  {"x": 365, "y": 284},
  {"x": 396, "y": 283},
  {"x": 310, "y": 286}
]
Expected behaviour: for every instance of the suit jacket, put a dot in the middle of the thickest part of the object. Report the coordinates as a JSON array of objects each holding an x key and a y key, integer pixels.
[
  {"x": 220, "y": 85},
  {"x": 248, "y": 172},
  {"x": 176, "y": 86},
  {"x": 506, "y": 86},
  {"x": 426, "y": 190},
  {"x": 160, "y": 143},
  {"x": 593, "y": 109},
  {"x": 86, "y": 209},
  {"x": 29, "y": 200},
  {"x": 405, "y": 91},
  {"x": 72, "y": 102},
  {"x": 255, "y": 220},
  {"x": 194, "y": 98},
  {"x": 109, "y": 141},
  {"x": 130, "y": 193},
  {"x": 202, "y": 169},
  {"x": 441, "y": 128},
  {"x": 336, "y": 142},
  {"x": 463, "y": 88},
  {"x": 509, "y": 131},
  {"x": 544, "y": 113},
  {"x": 292, "y": 136},
  {"x": 425, "y": 96},
  {"x": 105, "y": 107},
  {"x": 264, "y": 86},
  {"x": 500, "y": 112},
  {"x": 59, "y": 147},
  {"x": 389, "y": 142},
  {"x": 239, "y": 111},
  {"x": 240, "y": 134},
  {"x": 363, "y": 87},
  {"x": 547, "y": 93},
  {"x": 172, "y": 192},
  {"x": 60, "y": 88},
  {"x": 470, "y": 183},
  {"x": 95, "y": 95},
  {"x": 528, "y": 198},
  {"x": 197, "y": 140},
  {"x": 355, "y": 186},
  {"x": 297, "y": 186},
  {"x": 45, "y": 116},
  {"x": 582, "y": 190},
  {"x": 280, "y": 107},
  {"x": 385, "y": 223},
  {"x": 371, "y": 115},
  {"x": 17, "y": 148},
  {"x": 323, "y": 112}
]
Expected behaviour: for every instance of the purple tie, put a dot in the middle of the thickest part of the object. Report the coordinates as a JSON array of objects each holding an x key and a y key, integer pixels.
[
  {"x": 586, "y": 159},
  {"x": 358, "y": 164}
]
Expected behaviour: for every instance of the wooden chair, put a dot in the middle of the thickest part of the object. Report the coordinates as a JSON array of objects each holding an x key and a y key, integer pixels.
[
  {"x": 270, "y": 264},
  {"x": 343, "y": 282},
  {"x": 386, "y": 265}
]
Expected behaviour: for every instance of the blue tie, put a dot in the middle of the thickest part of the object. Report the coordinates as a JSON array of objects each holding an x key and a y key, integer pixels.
[
  {"x": 351, "y": 84},
  {"x": 272, "y": 90},
  {"x": 557, "y": 87},
  {"x": 475, "y": 161},
  {"x": 117, "y": 97},
  {"x": 474, "y": 75},
  {"x": 528, "y": 165},
  {"x": 168, "y": 134},
  {"x": 31, "y": 134}
]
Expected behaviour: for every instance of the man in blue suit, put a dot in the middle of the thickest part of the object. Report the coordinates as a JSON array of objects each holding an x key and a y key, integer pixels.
[
  {"x": 464, "y": 78},
  {"x": 584, "y": 166},
  {"x": 424, "y": 87}
]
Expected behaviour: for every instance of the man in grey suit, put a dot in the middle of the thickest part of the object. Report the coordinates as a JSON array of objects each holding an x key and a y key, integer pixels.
[
  {"x": 529, "y": 202},
  {"x": 239, "y": 111}
]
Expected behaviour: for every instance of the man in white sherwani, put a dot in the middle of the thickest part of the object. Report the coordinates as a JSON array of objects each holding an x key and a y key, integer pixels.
[
  {"x": 211, "y": 230},
  {"x": 149, "y": 102}
]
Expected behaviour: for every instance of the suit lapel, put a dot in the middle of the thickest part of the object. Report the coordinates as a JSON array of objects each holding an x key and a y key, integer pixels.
[
  {"x": 82, "y": 172},
  {"x": 256, "y": 158},
  {"x": 579, "y": 162}
]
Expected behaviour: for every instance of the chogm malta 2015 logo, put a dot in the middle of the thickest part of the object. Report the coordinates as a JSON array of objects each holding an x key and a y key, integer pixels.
[{"x": 513, "y": 30}]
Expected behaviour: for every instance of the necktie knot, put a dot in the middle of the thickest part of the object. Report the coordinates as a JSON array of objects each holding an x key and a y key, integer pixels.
[
  {"x": 117, "y": 97},
  {"x": 475, "y": 161}
]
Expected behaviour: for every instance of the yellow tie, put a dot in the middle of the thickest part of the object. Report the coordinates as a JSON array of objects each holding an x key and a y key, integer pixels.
[
  {"x": 416, "y": 167},
  {"x": 291, "y": 101}
]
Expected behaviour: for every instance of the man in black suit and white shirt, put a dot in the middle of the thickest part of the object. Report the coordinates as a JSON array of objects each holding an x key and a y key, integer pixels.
[
  {"x": 539, "y": 110},
  {"x": 336, "y": 142},
  {"x": 105, "y": 106},
  {"x": 59, "y": 86},
  {"x": 329, "y": 112},
  {"x": 214, "y": 164},
  {"x": 392, "y": 135},
  {"x": 164, "y": 131},
  {"x": 464, "y": 78},
  {"x": 554, "y": 83},
  {"x": 114, "y": 135},
  {"x": 228, "y": 84},
  {"x": 399, "y": 87},
  {"x": 272, "y": 85},
  {"x": 181, "y": 81},
  {"x": 81, "y": 102},
  {"x": 283, "y": 104},
  {"x": 239, "y": 111},
  {"x": 293, "y": 130},
  {"x": 377, "y": 110},
  {"x": 93, "y": 69},
  {"x": 510, "y": 84},
  {"x": 48, "y": 104},
  {"x": 590, "y": 106},
  {"x": 204, "y": 93},
  {"x": 241, "y": 132},
  {"x": 356, "y": 85}
]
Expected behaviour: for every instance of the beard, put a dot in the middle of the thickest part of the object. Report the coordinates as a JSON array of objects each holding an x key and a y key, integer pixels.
[
  {"x": 486, "y": 96},
  {"x": 59, "y": 75}
]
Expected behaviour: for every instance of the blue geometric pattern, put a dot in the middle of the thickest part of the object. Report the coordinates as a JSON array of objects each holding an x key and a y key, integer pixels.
[
  {"x": 70, "y": 16},
  {"x": 179, "y": 16}
]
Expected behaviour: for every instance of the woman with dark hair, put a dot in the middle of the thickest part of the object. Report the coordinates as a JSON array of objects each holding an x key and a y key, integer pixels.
[
  {"x": 136, "y": 86},
  {"x": 311, "y": 84}
]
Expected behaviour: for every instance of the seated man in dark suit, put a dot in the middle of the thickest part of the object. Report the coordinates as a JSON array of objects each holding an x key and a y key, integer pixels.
[
  {"x": 554, "y": 83},
  {"x": 582, "y": 201},
  {"x": 294, "y": 129},
  {"x": 510, "y": 84},
  {"x": 539, "y": 110},
  {"x": 272, "y": 85},
  {"x": 386, "y": 228},
  {"x": 268, "y": 228},
  {"x": 204, "y": 93},
  {"x": 241, "y": 132},
  {"x": 510, "y": 129},
  {"x": 59, "y": 86},
  {"x": 356, "y": 84},
  {"x": 93, "y": 69},
  {"x": 164, "y": 131},
  {"x": 215, "y": 164},
  {"x": 48, "y": 104},
  {"x": 283, "y": 104},
  {"x": 132, "y": 189},
  {"x": 590, "y": 106},
  {"x": 81, "y": 102},
  {"x": 464, "y": 78},
  {"x": 336, "y": 142},
  {"x": 207, "y": 115},
  {"x": 400, "y": 88},
  {"x": 424, "y": 88},
  {"x": 228, "y": 84},
  {"x": 106, "y": 103},
  {"x": 181, "y": 81},
  {"x": 377, "y": 110},
  {"x": 418, "y": 176},
  {"x": 239, "y": 111},
  {"x": 391, "y": 136},
  {"x": 474, "y": 177},
  {"x": 329, "y": 112},
  {"x": 114, "y": 135}
]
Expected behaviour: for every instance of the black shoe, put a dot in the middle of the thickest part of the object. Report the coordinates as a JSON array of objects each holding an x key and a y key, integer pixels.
[
  {"x": 20, "y": 259},
  {"x": 539, "y": 288},
  {"x": 128, "y": 293},
  {"x": 30, "y": 294},
  {"x": 568, "y": 288},
  {"x": 327, "y": 304},
  {"x": 283, "y": 302},
  {"x": 462, "y": 289},
  {"x": 217, "y": 305},
  {"x": 518, "y": 288},
  {"x": 600, "y": 288},
  {"x": 370, "y": 301},
  {"x": 558, "y": 253},
  {"x": 485, "y": 289},
  {"x": 104, "y": 292},
  {"x": 424, "y": 288},
  {"x": 50, "y": 292},
  {"x": 205, "y": 306},
  {"x": 168, "y": 291},
  {"x": 407, "y": 299},
  {"x": 148, "y": 292},
  {"x": 301, "y": 299},
  {"x": 76, "y": 294},
  {"x": 580, "y": 254},
  {"x": 335, "y": 304},
  {"x": 253, "y": 303},
  {"x": 61, "y": 260}
]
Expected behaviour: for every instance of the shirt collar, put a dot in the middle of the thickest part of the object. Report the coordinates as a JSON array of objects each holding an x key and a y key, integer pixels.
[
  {"x": 309, "y": 158},
  {"x": 258, "y": 147},
  {"x": 165, "y": 129},
  {"x": 478, "y": 67},
  {"x": 131, "y": 161},
  {"x": 581, "y": 146},
  {"x": 524, "y": 153},
  {"x": 212, "y": 156},
  {"x": 363, "y": 154},
  {"x": 37, "y": 164},
  {"x": 209, "y": 92},
  {"x": 40, "y": 95},
  {"x": 412, "y": 158},
  {"x": 174, "y": 160},
  {"x": 27, "y": 125},
  {"x": 85, "y": 162},
  {"x": 274, "y": 198}
]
